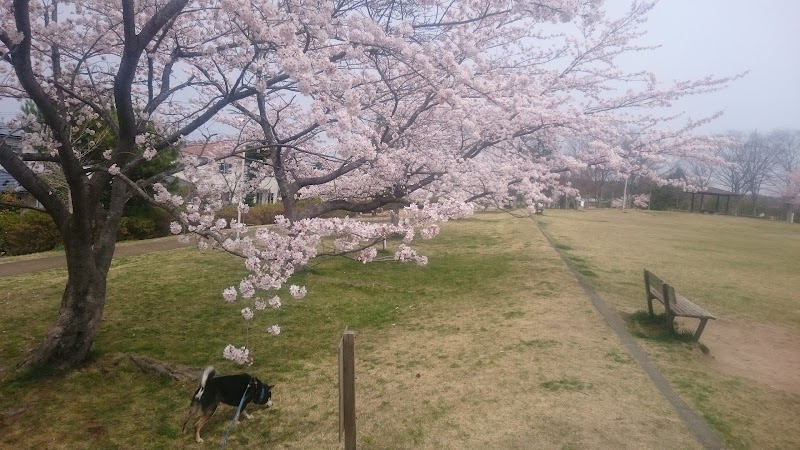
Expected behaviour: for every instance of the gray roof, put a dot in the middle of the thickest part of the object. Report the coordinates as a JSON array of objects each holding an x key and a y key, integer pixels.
[
  {"x": 12, "y": 138},
  {"x": 717, "y": 191},
  {"x": 8, "y": 132},
  {"x": 8, "y": 182}
]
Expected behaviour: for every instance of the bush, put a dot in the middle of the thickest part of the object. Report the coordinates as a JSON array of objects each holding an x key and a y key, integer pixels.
[
  {"x": 161, "y": 220},
  {"x": 33, "y": 231},
  {"x": 27, "y": 232},
  {"x": 10, "y": 197},
  {"x": 134, "y": 228},
  {"x": 144, "y": 224},
  {"x": 257, "y": 215},
  {"x": 263, "y": 214}
]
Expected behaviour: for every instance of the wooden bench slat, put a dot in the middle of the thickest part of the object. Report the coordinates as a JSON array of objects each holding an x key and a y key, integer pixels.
[
  {"x": 684, "y": 307},
  {"x": 656, "y": 293}
]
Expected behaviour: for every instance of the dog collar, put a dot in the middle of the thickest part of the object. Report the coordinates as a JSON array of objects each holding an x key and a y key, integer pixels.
[{"x": 262, "y": 395}]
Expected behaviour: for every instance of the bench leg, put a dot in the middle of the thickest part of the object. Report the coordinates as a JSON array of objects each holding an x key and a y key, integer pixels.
[
  {"x": 700, "y": 329},
  {"x": 650, "y": 305},
  {"x": 670, "y": 321}
]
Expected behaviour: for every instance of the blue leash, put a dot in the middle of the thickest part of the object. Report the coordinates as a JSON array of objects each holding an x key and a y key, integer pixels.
[{"x": 235, "y": 416}]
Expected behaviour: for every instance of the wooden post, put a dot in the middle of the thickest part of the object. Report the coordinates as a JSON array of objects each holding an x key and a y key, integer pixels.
[
  {"x": 669, "y": 297},
  {"x": 347, "y": 389},
  {"x": 647, "y": 292}
]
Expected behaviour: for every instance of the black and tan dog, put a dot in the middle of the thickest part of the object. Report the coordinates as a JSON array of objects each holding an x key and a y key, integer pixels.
[{"x": 229, "y": 389}]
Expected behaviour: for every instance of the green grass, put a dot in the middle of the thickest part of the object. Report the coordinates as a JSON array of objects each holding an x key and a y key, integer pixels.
[
  {"x": 492, "y": 345},
  {"x": 618, "y": 357},
  {"x": 168, "y": 306},
  {"x": 540, "y": 343},
  {"x": 566, "y": 384}
]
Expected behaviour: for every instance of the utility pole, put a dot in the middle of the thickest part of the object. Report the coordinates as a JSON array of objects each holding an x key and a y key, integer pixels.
[{"x": 625, "y": 194}]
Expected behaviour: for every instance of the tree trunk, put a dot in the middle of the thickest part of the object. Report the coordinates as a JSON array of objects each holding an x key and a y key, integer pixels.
[
  {"x": 599, "y": 189},
  {"x": 600, "y": 195},
  {"x": 89, "y": 252},
  {"x": 70, "y": 338}
]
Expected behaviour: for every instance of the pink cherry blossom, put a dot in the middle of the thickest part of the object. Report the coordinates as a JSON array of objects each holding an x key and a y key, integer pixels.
[
  {"x": 297, "y": 292},
  {"x": 229, "y": 294},
  {"x": 274, "y": 302},
  {"x": 240, "y": 356}
]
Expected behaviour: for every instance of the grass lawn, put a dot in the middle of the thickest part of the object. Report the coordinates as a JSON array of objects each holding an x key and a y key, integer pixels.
[
  {"x": 743, "y": 270},
  {"x": 492, "y": 345}
]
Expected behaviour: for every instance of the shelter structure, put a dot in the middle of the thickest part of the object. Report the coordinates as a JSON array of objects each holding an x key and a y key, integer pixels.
[{"x": 710, "y": 201}]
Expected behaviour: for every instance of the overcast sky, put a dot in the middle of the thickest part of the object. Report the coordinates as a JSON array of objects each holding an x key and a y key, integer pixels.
[
  {"x": 721, "y": 37},
  {"x": 727, "y": 37}
]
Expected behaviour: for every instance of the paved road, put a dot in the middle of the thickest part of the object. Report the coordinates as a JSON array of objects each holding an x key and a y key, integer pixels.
[{"x": 10, "y": 269}]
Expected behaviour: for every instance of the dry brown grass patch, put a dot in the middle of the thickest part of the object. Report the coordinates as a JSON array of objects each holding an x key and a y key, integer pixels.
[
  {"x": 744, "y": 271},
  {"x": 549, "y": 375}
]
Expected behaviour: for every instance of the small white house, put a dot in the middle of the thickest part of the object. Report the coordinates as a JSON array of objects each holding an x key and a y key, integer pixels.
[{"x": 267, "y": 191}]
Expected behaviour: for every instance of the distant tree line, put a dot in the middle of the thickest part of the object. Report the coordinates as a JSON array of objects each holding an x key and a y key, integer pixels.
[{"x": 761, "y": 167}]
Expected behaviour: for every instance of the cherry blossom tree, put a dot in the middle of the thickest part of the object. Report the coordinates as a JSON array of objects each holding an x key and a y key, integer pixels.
[
  {"x": 790, "y": 193},
  {"x": 429, "y": 105},
  {"x": 119, "y": 66},
  {"x": 786, "y": 181},
  {"x": 441, "y": 105}
]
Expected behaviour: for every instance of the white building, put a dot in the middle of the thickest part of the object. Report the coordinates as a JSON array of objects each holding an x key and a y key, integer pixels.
[{"x": 267, "y": 191}]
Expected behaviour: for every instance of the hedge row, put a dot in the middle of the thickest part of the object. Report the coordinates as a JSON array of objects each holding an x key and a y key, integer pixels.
[
  {"x": 257, "y": 215},
  {"x": 265, "y": 214},
  {"x": 29, "y": 232},
  {"x": 150, "y": 225},
  {"x": 33, "y": 231}
]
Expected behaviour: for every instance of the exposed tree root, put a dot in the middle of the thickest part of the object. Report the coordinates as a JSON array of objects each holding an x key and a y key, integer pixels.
[{"x": 177, "y": 373}]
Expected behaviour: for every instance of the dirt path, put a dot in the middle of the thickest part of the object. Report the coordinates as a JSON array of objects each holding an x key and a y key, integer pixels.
[
  {"x": 766, "y": 353},
  {"x": 10, "y": 269}
]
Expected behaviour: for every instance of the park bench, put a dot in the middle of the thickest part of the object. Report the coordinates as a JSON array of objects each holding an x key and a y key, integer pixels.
[{"x": 675, "y": 304}]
